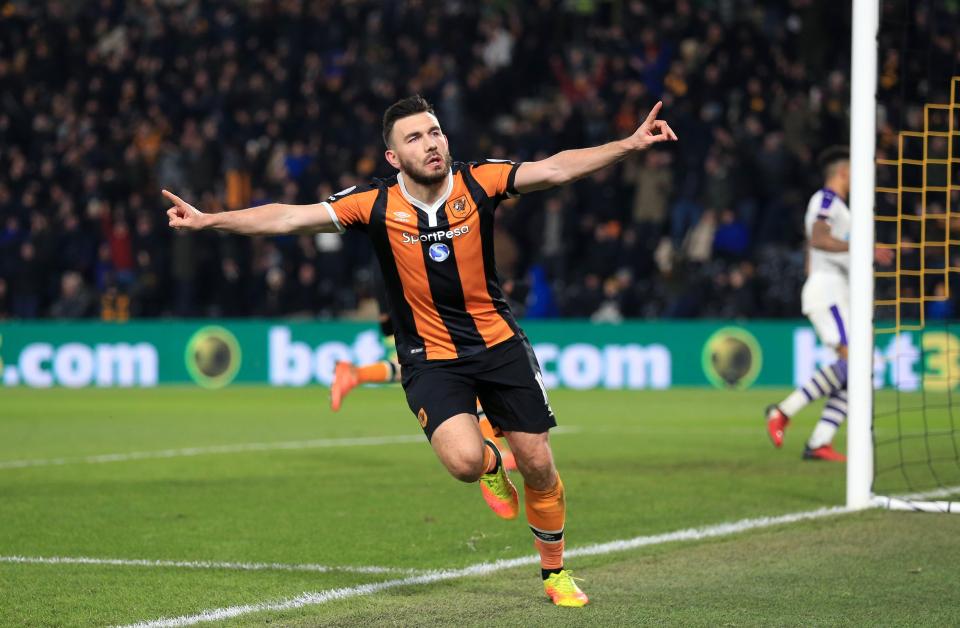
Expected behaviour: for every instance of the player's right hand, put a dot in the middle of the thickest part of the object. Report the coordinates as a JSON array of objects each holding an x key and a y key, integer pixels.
[
  {"x": 183, "y": 215},
  {"x": 883, "y": 256}
]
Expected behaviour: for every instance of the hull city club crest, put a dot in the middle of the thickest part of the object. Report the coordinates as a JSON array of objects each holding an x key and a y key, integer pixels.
[{"x": 459, "y": 207}]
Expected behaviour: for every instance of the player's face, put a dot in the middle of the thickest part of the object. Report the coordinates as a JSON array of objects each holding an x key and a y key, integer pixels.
[
  {"x": 844, "y": 172},
  {"x": 419, "y": 149}
]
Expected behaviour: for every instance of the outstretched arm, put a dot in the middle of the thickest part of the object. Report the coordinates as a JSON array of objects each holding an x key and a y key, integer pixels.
[
  {"x": 270, "y": 219},
  {"x": 570, "y": 165}
]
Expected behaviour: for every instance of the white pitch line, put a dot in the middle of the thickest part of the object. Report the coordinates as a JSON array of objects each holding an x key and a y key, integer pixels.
[
  {"x": 216, "y": 449},
  {"x": 479, "y": 569},
  {"x": 205, "y": 564},
  {"x": 361, "y": 441}
]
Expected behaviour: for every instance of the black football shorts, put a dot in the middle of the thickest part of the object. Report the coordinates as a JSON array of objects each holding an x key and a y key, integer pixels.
[{"x": 505, "y": 379}]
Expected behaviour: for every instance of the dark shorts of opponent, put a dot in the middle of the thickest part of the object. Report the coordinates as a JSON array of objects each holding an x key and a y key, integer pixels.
[{"x": 505, "y": 378}]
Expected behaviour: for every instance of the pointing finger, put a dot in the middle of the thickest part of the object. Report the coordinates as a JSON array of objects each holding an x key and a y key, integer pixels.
[
  {"x": 176, "y": 200},
  {"x": 652, "y": 116}
]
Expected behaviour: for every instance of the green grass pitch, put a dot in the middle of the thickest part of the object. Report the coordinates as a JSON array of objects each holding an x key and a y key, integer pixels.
[{"x": 634, "y": 463}]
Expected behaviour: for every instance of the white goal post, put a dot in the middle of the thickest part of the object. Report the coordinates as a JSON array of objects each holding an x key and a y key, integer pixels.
[
  {"x": 863, "y": 126},
  {"x": 863, "y": 130}
]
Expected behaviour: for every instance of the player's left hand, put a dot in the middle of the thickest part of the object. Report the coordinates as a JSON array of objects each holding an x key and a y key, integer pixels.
[
  {"x": 652, "y": 131},
  {"x": 883, "y": 256}
]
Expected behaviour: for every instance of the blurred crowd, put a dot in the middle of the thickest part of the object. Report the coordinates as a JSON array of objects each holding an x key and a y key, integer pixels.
[{"x": 237, "y": 103}]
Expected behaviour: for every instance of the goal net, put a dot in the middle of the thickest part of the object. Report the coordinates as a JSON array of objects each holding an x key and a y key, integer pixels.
[{"x": 916, "y": 404}]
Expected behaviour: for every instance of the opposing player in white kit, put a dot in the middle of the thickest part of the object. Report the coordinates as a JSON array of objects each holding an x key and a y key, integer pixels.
[{"x": 826, "y": 302}]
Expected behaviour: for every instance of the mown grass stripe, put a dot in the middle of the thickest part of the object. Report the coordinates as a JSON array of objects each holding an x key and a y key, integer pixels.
[
  {"x": 205, "y": 564},
  {"x": 361, "y": 441},
  {"x": 217, "y": 449}
]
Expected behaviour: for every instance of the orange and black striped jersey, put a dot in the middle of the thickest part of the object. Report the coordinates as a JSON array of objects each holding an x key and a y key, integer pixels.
[{"x": 437, "y": 261}]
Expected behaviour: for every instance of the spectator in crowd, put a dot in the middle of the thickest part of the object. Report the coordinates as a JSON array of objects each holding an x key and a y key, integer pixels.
[
  {"x": 28, "y": 283},
  {"x": 731, "y": 240},
  {"x": 698, "y": 245},
  {"x": 652, "y": 181},
  {"x": 304, "y": 300},
  {"x": 940, "y": 308},
  {"x": 75, "y": 300},
  {"x": 273, "y": 300},
  {"x": 4, "y": 300}
]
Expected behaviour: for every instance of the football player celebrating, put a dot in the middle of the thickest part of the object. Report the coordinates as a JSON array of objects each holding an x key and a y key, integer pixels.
[{"x": 431, "y": 226}]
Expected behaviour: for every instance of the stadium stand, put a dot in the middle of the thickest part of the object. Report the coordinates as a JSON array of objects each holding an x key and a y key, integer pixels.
[{"x": 236, "y": 103}]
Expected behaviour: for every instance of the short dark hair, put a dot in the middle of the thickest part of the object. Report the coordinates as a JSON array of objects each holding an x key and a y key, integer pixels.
[
  {"x": 831, "y": 157},
  {"x": 401, "y": 109}
]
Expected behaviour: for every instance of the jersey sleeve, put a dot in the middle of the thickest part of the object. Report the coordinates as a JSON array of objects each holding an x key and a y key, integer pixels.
[
  {"x": 350, "y": 208},
  {"x": 825, "y": 211},
  {"x": 496, "y": 177}
]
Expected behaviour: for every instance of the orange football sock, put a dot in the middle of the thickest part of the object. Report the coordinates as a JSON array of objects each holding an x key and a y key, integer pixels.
[
  {"x": 487, "y": 429},
  {"x": 376, "y": 373},
  {"x": 546, "y": 512}
]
